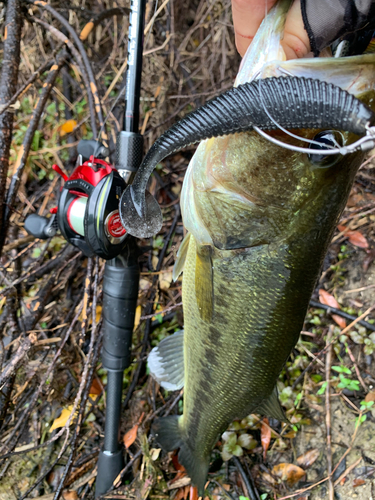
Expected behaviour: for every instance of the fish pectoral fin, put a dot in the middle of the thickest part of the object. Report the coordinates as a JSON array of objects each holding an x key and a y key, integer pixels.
[
  {"x": 271, "y": 407},
  {"x": 181, "y": 257},
  {"x": 204, "y": 284},
  {"x": 166, "y": 362}
]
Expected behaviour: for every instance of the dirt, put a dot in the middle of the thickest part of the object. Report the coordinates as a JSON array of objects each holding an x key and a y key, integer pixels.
[{"x": 342, "y": 429}]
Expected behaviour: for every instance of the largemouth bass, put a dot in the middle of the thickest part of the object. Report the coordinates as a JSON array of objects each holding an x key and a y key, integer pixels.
[{"x": 260, "y": 219}]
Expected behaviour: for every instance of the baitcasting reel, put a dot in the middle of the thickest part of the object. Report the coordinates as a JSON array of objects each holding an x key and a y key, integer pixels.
[{"x": 87, "y": 213}]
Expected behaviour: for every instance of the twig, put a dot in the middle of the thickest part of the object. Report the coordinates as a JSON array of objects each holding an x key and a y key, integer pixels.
[
  {"x": 77, "y": 56},
  {"x": 252, "y": 492},
  {"x": 345, "y": 330},
  {"x": 351, "y": 356},
  {"x": 94, "y": 21},
  {"x": 328, "y": 414},
  {"x": 30, "y": 81},
  {"x": 17, "y": 358},
  {"x": 167, "y": 309},
  {"x": 347, "y": 471},
  {"x": 303, "y": 490},
  {"x": 333, "y": 310},
  {"x": 40, "y": 389},
  {"x": 19, "y": 243},
  {"x": 26, "y": 144},
  {"x": 78, "y": 42},
  {"x": 8, "y": 85}
]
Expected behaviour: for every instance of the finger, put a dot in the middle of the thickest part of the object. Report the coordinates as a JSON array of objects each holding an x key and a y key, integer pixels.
[
  {"x": 296, "y": 41},
  {"x": 247, "y": 17}
]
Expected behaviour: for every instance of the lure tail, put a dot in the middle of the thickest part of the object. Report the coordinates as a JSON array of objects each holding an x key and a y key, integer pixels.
[{"x": 169, "y": 435}]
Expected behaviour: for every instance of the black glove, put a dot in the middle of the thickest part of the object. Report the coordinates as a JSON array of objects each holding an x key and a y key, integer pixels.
[{"x": 327, "y": 20}]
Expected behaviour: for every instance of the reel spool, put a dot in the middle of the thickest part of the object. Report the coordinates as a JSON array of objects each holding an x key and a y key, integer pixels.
[{"x": 87, "y": 213}]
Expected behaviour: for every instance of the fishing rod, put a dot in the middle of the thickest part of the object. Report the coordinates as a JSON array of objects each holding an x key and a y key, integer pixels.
[{"x": 87, "y": 215}]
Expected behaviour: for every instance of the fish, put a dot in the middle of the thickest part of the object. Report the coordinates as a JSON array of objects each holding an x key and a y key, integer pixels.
[{"x": 259, "y": 219}]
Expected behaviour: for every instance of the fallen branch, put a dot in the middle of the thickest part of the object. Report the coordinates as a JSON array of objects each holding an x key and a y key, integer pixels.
[{"x": 8, "y": 85}]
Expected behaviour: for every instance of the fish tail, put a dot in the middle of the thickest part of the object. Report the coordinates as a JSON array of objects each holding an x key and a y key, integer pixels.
[{"x": 169, "y": 435}]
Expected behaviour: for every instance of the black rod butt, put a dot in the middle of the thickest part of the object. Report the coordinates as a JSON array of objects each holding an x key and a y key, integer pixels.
[{"x": 109, "y": 467}]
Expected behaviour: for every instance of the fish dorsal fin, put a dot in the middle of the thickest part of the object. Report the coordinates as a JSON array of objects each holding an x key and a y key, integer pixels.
[
  {"x": 181, "y": 257},
  {"x": 166, "y": 362},
  {"x": 204, "y": 282},
  {"x": 271, "y": 407}
]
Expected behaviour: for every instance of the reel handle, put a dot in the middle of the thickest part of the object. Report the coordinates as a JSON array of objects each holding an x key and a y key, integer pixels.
[{"x": 41, "y": 227}]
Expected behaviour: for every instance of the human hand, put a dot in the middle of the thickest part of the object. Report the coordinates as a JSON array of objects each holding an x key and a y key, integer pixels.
[{"x": 248, "y": 15}]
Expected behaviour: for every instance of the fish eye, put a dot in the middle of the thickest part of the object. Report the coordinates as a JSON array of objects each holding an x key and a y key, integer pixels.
[{"x": 327, "y": 140}]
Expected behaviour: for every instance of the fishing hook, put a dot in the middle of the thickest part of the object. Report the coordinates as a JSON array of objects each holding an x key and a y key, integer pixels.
[{"x": 363, "y": 144}]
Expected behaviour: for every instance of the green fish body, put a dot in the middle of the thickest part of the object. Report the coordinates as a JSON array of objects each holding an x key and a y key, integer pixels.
[{"x": 260, "y": 219}]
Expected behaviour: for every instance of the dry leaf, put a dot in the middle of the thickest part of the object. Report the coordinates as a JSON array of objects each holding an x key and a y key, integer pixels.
[
  {"x": 182, "y": 493},
  {"x": 288, "y": 472},
  {"x": 165, "y": 280},
  {"x": 358, "y": 482},
  {"x": 180, "y": 474},
  {"x": 96, "y": 387},
  {"x": 176, "y": 463},
  {"x": 67, "y": 127},
  {"x": 144, "y": 285},
  {"x": 154, "y": 453},
  {"x": 98, "y": 313},
  {"x": 265, "y": 436},
  {"x": 131, "y": 436},
  {"x": 62, "y": 419},
  {"x": 328, "y": 299},
  {"x": 183, "y": 481},
  {"x": 356, "y": 238},
  {"x": 290, "y": 435},
  {"x": 186, "y": 492},
  {"x": 308, "y": 458},
  {"x": 193, "y": 493},
  {"x": 339, "y": 320},
  {"x": 70, "y": 495},
  {"x": 370, "y": 396},
  {"x": 138, "y": 314},
  {"x": 355, "y": 199},
  {"x": 266, "y": 476}
]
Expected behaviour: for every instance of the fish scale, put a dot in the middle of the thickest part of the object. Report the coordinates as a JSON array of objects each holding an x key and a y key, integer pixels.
[{"x": 260, "y": 219}]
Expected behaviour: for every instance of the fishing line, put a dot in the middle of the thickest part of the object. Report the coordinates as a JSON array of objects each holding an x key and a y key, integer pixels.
[
  {"x": 364, "y": 143},
  {"x": 304, "y": 139}
]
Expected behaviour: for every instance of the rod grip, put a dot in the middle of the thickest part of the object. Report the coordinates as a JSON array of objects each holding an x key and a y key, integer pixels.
[{"x": 120, "y": 293}]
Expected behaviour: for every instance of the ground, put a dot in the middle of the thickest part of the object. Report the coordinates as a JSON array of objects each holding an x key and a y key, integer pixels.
[{"x": 52, "y": 407}]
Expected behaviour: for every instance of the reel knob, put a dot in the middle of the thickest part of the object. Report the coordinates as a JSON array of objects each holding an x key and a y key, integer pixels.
[{"x": 41, "y": 227}]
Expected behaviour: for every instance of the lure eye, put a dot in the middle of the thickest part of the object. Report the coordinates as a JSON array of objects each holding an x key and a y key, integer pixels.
[{"x": 327, "y": 140}]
